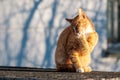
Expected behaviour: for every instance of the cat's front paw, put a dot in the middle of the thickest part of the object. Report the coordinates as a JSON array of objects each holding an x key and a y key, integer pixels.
[
  {"x": 80, "y": 33},
  {"x": 87, "y": 69},
  {"x": 79, "y": 70}
]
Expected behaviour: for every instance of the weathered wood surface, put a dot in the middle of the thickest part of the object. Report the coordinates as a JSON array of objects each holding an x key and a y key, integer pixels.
[{"x": 24, "y": 73}]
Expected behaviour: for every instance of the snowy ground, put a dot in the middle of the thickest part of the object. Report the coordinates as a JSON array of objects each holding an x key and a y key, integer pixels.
[{"x": 29, "y": 30}]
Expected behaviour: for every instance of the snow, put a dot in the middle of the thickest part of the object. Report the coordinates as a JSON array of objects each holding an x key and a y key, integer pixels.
[{"x": 44, "y": 20}]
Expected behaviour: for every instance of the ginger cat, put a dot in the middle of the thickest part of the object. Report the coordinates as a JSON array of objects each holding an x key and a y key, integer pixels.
[{"x": 75, "y": 44}]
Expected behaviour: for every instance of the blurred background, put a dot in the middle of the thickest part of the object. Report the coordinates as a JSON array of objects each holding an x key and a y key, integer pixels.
[{"x": 29, "y": 30}]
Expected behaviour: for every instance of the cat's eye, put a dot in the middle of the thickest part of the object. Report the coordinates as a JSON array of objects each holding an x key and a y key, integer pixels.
[
  {"x": 84, "y": 16},
  {"x": 76, "y": 26}
]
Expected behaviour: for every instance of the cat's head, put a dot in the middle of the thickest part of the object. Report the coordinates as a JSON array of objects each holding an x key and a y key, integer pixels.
[{"x": 80, "y": 22}]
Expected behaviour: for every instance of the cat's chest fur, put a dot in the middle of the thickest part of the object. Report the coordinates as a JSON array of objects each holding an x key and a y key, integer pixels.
[{"x": 86, "y": 32}]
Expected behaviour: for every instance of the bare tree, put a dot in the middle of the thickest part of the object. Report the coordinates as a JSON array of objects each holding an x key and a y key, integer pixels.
[{"x": 25, "y": 34}]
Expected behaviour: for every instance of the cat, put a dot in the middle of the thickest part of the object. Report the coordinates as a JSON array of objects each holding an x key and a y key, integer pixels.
[{"x": 75, "y": 44}]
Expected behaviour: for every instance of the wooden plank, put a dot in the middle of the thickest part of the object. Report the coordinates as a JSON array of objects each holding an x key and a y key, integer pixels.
[
  {"x": 52, "y": 74},
  {"x": 31, "y": 69}
]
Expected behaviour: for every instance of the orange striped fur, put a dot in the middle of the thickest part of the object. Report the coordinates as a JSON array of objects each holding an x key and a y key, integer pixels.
[{"x": 75, "y": 44}]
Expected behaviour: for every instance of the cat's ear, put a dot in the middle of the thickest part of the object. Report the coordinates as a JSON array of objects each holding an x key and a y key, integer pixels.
[
  {"x": 69, "y": 20},
  {"x": 81, "y": 13}
]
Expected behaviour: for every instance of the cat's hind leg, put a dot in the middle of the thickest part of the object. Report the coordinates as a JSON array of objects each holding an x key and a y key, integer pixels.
[{"x": 74, "y": 56}]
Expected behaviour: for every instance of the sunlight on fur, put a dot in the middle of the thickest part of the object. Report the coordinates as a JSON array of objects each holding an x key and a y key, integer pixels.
[{"x": 75, "y": 44}]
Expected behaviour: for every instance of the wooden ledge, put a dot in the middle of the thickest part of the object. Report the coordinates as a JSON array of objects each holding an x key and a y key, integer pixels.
[{"x": 51, "y": 74}]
